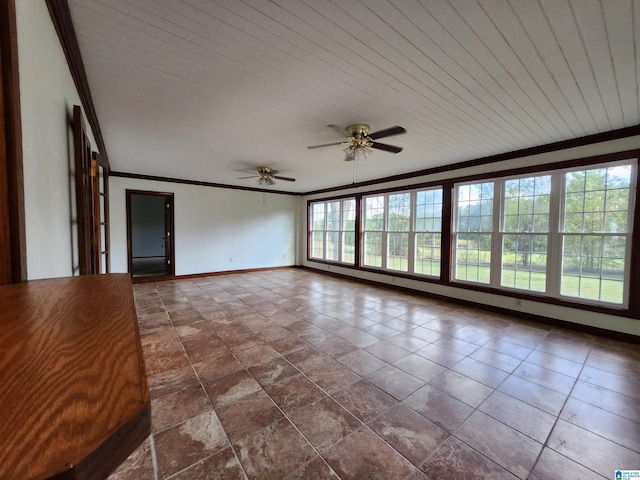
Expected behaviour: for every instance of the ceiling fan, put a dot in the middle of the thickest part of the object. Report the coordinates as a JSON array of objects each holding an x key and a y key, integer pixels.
[
  {"x": 266, "y": 176},
  {"x": 359, "y": 141}
]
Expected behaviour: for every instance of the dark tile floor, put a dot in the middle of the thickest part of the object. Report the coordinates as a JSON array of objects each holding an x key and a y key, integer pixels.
[{"x": 292, "y": 374}]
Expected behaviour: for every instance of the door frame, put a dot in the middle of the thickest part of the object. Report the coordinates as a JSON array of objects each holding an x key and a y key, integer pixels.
[
  {"x": 13, "y": 243},
  {"x": 169, "y": 224}
]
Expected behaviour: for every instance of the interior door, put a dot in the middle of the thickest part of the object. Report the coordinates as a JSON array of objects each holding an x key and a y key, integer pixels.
[
  {"x": 85, "y": 172},
  {"x": 150, "y": 238}
]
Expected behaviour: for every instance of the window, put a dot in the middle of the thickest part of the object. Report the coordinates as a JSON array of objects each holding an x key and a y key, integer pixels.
[
  {"x": 474, "y": 232},
  {"x": 398, "y": 222},
  {"x": 596, "y": 233},
  {"x": 428, "y": 227},
  {"x": 525, "y": 233},
  {"x": 373, "y": 224},
  {"x": 564, "y": 234},
  {"x": 402, "y": 231},
  {"x": 317, "y": 230},
  {"x": 349, "y": 230},
  {"x": 332, "y": 232}
]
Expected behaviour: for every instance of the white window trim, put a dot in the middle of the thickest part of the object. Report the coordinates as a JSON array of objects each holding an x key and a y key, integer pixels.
[{"x": 555, "y": 235}]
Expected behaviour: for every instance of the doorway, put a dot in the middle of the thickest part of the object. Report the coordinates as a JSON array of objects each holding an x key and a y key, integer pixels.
[{"x": 150, "y": 234}]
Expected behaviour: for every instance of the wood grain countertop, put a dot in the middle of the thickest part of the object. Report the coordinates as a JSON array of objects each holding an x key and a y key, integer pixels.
[{"x": 74, "y": 400}]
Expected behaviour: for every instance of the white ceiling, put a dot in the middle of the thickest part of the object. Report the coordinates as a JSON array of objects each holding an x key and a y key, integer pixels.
[{"x": 200, "y": 89}]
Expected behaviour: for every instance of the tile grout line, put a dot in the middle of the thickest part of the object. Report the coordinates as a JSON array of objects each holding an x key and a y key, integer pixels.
[
  {"x": 312, "y": 345},
  {"x": 557, "y": 419},
  {"x": 152, "y": 435}
]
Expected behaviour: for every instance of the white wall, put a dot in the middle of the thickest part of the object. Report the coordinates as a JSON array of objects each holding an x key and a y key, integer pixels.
[
  {"x": 47, "y": 96},
  {"x": 216, "y": 229},
  {"x": 605, "y": 321}
]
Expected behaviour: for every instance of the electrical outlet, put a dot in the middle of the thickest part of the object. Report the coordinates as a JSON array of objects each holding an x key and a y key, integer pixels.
[{"x": 518, "y": 302}]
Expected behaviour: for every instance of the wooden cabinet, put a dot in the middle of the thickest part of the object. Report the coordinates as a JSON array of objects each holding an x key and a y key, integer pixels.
[{"x": 74, "y": 400}]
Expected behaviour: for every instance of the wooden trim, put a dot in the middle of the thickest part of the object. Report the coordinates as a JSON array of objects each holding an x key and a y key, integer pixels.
[
  {"x": 84, "y": 200},
  {"x": 13, "y": 246},
  {"x": 153, "y": 278},
  {"x": 155, "y": 178},
  {"x": 61, "y": 18},
  {"x": 358, "y": 228},
  {"x": 309, "y": 235},
  {"x": 171, "y": 223},
  {"x": 446, "y": 246},
  {"x": 634, "y": 267},
  {"x": 626, "y": 337},
  {"x": 104, "y": 162},
  {"x": 96, "y": 244},
  {"x": 575, "y": 304},
  {"x": 129, "y": 239},
  {"x": 613, "y": 135},
  {"x": 544, "y": 167},
  {"x": 502, "y": 157}
]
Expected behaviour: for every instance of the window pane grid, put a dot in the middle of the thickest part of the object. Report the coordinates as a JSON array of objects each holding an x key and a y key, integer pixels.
[
  {"x": 473, "y": 238},
  {"x": 524, "y": 262},
  {"x": 333, "y": 216},
  {"x": 374, "y": 213},
  {"x": 595, "y": 234},
  {"x": 373, "y": 249},
  {"x": 473, "y": 257},
  {"x": 333, "y": 231},
  {"x": 349, "y": 231},
  {"x": 427, "y": 255},
  {"x": 525, "y": 227},
  {"x": 398, "y": 220},
  {"x": 593, "y": 267},
  {"x": 428, "y": 225},
  {"x": 373, "y": 224}
]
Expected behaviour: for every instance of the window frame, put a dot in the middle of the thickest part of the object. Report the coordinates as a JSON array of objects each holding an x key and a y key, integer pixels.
[
  {"x": 425, "y": 231},
  {"x": 628, "y": 234},
  {"x": 326, "y": 230}
]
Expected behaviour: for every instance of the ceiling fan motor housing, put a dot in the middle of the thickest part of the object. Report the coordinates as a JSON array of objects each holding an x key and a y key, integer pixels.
[
  {"x": 358, "y": 129},
  {"x": 359, "y": 133}
]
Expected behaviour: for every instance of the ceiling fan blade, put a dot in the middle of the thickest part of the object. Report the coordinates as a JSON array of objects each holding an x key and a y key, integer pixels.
[
  {"x": 386, "y": 148},
  {"x": 286, "y": 179},
  {"x": 387, "y": 132},
  {"x": 252, "y": 176},
  {"x": 325, "y": 145}
]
